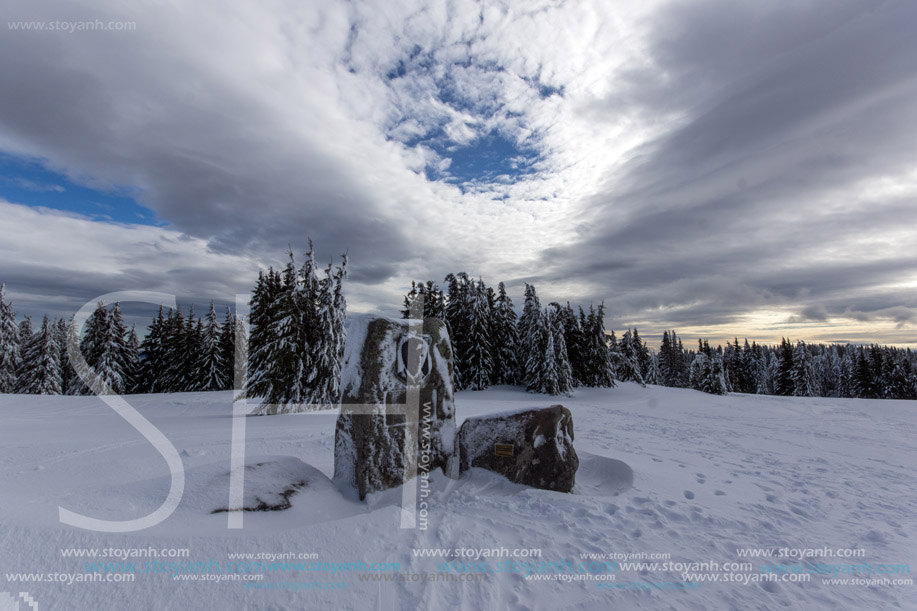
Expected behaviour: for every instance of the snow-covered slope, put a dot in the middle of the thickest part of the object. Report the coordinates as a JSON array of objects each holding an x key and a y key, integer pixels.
[{"x": 663, "y": 471}]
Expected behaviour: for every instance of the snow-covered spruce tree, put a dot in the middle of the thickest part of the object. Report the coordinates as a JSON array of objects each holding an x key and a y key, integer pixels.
[
  {"x": 25, "y": 330},
  {"x": 210, "y": 368},
  {"x": 262, "y": 317},
  {"x": 540, "y": 370},
  {"x": 706, "y": 373},
  {"x": 505, "y": 339},
  {"x": 122, "y": 352},
  {"x": 565, "y": 381},
  {"x": 289, "y": 362},
  {"x": 299, "y": 362},
  {"x": 174, "y": 358},
  {"x": 666, "y": 365},
  {"x": 731, "y": 366},
  {"x": 10, "y": 354},
  {"x": 61, "y": 333},
  {"x": 103, "y": 348},
  {"x": 652, "y": 374},
  {"x": 195, "y": 353},
  {"x": 332, "y": 312},
  {"x": 614, "y": 353},
  {"x": 132, "y": 371},
  {"x": 628, "y": 368},
  {"x": 748, "y": 369},
  {"x": 600, "y": 369},
  {"x": 529, "y": 334},
  {"x": 459, "y": 308},
  {"x": 41, "y": 363},
  {"x": 152, "y": 357},
  {"x": 434, "y": 301},
  {"x": 804, "y": 382},
  {"x": 642, "y": 354},
  {"x": 574, "y": 340},
  {"x": 227, "y": 348},
  {"x": 25, "y": 337},
  {"x": 479, "y": 361},
  {"x": 863, "y": 380},
  {"x": 847, "y": 366},
  {"x": 784, "y": 383}
]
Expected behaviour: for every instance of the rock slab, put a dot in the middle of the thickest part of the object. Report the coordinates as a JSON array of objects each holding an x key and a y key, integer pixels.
[{"x": 532, "y": 447}]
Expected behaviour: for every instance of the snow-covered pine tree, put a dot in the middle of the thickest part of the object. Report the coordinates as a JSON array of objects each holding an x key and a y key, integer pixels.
[
  {"x": 749, "y": 366},
  {"x": 132, "y": 368},
  {"x": 479, "y": 362},
  {"x": 628, "y": 368},
  {"x": 565, "y": 381},
  {"x": 103, "y": 350},
  {"x": 803, "y": 374},
  {"x": 337, "y": 338},
  {"x": 506, "y": 339},
  {"x": 25, "y": 338},
  {"x": 784, "y": 383},
  {"x": 227, "y": 348},
  {"x": 706, "y": 372},
  {"x": 614, "y": 353},
  {"x": 666, "y": 364},
  {"x": 574, "y": 340},
  {"x": 41, "y": 363},
  {"x": 300, "y": 357},
  {"x": 152, "y": 376},
  {"x": 329, "y": 347},
  {"x": 600, "y": 369},
  {"x": 732, "y": 371},
  {"x": 262, "y": 316},
  {"x": 210, "y": 366},
  {"x": 900, "y": 377},
  {"x": 290, "y": 362},
  {"x": 459, "y": 308},
  {"x": 541, "y": 373},
  {"x": 60, "y": 336},
  {"x": 91, "y": 346},
  {"x": 652, "y": 374},
  {"x": 698, "y": 371},
  {"x": 863, "y": 380},
  {"x": 174, "y": 357},
  {"x": 25, "y": 330},
  {"x": 847, "y": 366},
  {"x": 121, "y": 348},
  {"x": 434, "y": 301},
  {"x": 641, "y": 354},
  {"x": 529, "y": 334},
  {"x": 10, "y": 354},
  {"x": 196, "y": 354}
]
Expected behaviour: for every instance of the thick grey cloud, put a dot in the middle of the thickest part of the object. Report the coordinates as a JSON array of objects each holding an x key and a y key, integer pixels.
[{"x": 757, "y": 198}]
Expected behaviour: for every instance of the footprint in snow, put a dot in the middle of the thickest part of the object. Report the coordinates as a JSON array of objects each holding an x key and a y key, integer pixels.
[{"x": 689, "y": 495}]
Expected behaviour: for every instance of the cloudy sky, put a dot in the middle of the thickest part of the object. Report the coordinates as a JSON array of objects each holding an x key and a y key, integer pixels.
[{"x": 718, "y": 167}]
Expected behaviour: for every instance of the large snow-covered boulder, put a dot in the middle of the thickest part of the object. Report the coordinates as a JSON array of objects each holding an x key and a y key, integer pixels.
[
  {"x": 397, "y": 403},
  {"x": 532, "y": 447}
]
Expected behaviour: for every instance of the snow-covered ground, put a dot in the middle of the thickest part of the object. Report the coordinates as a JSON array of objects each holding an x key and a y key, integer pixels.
[{"x": 663, "y": 471}]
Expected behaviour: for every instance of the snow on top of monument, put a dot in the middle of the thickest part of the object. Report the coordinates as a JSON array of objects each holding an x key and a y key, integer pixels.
[{"x": 510, "y": 411}]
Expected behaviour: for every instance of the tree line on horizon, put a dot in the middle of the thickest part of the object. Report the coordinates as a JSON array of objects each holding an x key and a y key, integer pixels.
[
  {"x": 296, "y": 339},
  {"x": 178, "y": 354}
]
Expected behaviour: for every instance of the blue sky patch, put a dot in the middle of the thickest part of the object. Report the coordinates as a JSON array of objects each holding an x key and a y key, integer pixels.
[{"x": 28, "y": 182}]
